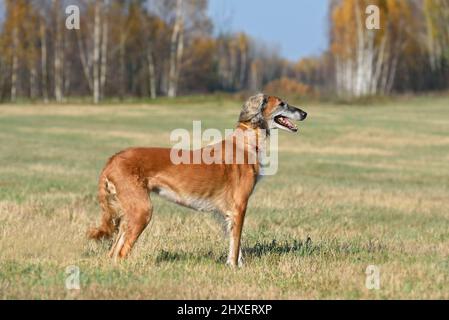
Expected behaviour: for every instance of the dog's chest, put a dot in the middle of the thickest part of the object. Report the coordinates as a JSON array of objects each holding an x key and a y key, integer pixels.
[{"x": 194, "y": 202}]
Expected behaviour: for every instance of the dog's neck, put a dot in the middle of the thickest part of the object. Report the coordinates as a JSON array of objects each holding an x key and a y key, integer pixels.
[{"x": 260, "y": 135}]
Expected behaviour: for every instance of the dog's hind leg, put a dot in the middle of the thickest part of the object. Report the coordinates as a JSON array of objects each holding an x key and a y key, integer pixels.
[
  {"x": 137, "y": 211},
  {"x": 118, "y": 242}
]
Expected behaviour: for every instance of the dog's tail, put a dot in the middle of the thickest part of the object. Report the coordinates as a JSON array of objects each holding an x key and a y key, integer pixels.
[{"x": 108, "y": 200}]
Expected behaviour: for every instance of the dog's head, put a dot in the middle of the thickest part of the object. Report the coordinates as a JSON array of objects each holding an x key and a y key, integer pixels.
[{"x": 269, "y": 112}]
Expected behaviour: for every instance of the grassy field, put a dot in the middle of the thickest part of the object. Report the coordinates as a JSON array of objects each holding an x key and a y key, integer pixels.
[{"x": 367, "y": 185}]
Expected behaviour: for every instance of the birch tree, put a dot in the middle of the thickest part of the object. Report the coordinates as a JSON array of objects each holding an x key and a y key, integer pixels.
[
  {"x": 14, "y": 11},
  {"x": 366, "y": 60},
  {"x": 43, "y": 44},
  {"x": 176, "y": 50},
  {"x": 436, "y": 14},
  {"x": 190, "y": 21},
  {"x": 93, "y": 47},
  {"x": 15, "y": 62},
  {"x": 96, "y": 52},
  {"x": 58, "y": 52},
  {"x": 104, "y": 48},
  {"x": 152, "y": 29}
]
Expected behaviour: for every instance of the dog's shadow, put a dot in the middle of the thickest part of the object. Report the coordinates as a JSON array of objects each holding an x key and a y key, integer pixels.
[
  {"x": 297, "y": 247},
  {"x": 258, "y": 250}
]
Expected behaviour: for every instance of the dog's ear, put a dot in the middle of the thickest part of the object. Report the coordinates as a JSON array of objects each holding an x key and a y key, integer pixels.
[
  {"x": 258, "y": 121},
  {"x": 253, "y": 108}
]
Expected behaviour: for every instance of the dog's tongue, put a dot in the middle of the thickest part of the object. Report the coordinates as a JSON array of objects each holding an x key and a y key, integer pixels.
[{"x": 286, "y": 122}]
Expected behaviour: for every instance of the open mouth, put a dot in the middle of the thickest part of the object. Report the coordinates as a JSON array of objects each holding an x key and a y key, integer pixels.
[{"x": 286, "y": 123}]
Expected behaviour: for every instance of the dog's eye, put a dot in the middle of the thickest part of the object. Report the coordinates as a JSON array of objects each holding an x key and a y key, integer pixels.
[{"x": 282, "y": 104}]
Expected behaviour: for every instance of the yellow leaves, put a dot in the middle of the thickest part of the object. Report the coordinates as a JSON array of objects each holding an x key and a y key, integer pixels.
[
  {"x": 307, "y": 65},
  {"x": 437, "y": 15},
  {"x": 158, "y": 25},
  {"x": 343, "y": 28},
  {"x": 202, "y": 49},
  {"x": 243, "y": 41},
  {"x": 198, "y": 62},
  {"x": 20, "y": 19},
  {"x": 348, "y": 16}
]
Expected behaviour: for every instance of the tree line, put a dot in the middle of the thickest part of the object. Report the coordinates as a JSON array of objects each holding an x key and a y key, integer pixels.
[
  {"x": 125, "y": 48},
  {"x": 408, "y": 53},
  {"x": 151, "y": 48}
]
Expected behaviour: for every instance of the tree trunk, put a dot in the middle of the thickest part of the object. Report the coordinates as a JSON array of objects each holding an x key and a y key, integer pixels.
[
  {"x": 179, "y": 54},
  {"x": 44, "y": 60},
  {"x": 104, "y": 49},
  {"x": 255, "y": 76},
  {"x": 359, "y": 61},
  {"x": 33, "y": 81},
  {"x": 380, "y": 63},
  {"x": 86, "y": 60},
  {"x": 232, "y": 63},
  {"x": 58, "y": 55},
  {"x": 67, "y": 63},
  {"x": 122, "y": 61},
  {"x": 96, "y": 54},
  {"x": 151, "y": 71},
  {"x": 176, "y": 51},
  {"x": 15, "y": 64},
  {"x": 243, "y": 59}
]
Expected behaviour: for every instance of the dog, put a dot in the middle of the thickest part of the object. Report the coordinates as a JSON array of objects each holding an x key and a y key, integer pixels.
[{"x": 130, "y": 176}]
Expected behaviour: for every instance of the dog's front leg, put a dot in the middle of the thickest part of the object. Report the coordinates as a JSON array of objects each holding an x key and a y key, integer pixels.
[{"x": 235, "y": 226}]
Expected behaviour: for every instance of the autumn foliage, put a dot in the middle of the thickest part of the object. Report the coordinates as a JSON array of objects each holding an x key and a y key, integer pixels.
[
  {"x": 395, "y": 56},
  {"x": 288, "y": 87},
  {"x": 137, "y": 48}
]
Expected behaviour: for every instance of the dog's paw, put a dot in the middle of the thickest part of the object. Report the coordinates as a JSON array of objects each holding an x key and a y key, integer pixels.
[
  {"x": 241, "y": 261},
  {"x": 231, "y": 264}
]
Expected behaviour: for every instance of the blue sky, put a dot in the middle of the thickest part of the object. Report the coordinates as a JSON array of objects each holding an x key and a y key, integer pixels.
[{"x": 299, "y": 27}]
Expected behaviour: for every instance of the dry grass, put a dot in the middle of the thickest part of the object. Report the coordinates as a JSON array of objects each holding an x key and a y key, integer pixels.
[{"x": 366, "y": 185}]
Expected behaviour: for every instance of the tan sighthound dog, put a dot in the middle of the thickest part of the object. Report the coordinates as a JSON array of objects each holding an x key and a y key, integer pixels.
[{"x": 131, "y": 175}]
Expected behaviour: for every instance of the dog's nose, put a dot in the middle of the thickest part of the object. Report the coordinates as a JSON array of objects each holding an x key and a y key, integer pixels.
[{"x": 303, "y": 115}]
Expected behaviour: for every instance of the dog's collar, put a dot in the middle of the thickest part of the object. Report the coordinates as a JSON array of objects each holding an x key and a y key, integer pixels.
[{"x": 245, "y": 125}]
